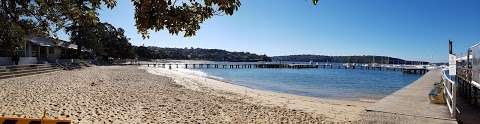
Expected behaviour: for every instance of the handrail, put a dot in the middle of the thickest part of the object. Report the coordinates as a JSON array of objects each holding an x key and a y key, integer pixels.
[
  {"x": 444, "y": 75},
  {"x": 476, "y": 84},
  {"x": 450, "y": 88}
]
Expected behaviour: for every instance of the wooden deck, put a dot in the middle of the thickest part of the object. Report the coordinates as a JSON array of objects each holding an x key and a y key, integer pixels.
[
  {"x": 410, "y": 105},
  {"x": 413, "y": 70},
  {"x": 234, "y": 65}
]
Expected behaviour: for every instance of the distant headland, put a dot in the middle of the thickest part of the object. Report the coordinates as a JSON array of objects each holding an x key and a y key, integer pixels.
[{"x": 153, "y": 52}]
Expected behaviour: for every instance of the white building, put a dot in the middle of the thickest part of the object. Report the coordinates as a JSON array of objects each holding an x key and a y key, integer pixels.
[{"x": 38, "y": 50}]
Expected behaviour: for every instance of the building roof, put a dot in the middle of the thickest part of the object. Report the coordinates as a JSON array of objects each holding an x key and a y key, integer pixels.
[
  {"x": 50, "y": 42},
  {"x": 67, "y": 45},
  {"x": 41, "y": 41}
]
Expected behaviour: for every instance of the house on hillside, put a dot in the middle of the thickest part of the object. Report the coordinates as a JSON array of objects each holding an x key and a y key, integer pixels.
[{"x": 37, "y": 50}]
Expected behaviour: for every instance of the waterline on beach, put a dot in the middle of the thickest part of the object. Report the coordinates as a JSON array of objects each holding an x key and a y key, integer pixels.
[
  {"x": 322, "y": 83},
  {"x": 336, "y": 110}
]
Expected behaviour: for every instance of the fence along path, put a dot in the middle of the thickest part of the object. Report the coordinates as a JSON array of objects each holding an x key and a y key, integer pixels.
[{"x": 411, "y": 105}]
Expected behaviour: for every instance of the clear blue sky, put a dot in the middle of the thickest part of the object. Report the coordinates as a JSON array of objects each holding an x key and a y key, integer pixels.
[{"x": 408, "y": 29}]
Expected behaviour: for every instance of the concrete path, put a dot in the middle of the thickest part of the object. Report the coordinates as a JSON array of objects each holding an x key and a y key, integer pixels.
[{"x": 411, "y": 105}]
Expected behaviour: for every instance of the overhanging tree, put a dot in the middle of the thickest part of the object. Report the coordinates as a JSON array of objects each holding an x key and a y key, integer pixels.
[
  {"x": 49, "y": 16},
  {"x": 112, "y": 42}
]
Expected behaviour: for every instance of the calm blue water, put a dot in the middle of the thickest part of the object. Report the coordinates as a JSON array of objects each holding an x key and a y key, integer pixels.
[{"x": 324, "y": 83}]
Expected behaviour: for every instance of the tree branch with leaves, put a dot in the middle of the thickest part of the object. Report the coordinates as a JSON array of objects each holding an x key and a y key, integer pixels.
[{"x": 46, "y": 17}]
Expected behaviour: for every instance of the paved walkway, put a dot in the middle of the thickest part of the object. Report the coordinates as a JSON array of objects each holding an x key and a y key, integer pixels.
[{"x": 411, "y": 105}]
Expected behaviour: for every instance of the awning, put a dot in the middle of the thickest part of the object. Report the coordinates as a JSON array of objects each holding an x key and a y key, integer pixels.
[
  {"x": 41, "y": 41},
  {"x": 50, "y": 42}
]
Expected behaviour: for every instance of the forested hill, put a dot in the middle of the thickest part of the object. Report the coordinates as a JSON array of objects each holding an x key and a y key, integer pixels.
[
  {"x": 345, "y": 59},
  {"x": 152, "y": 52}
]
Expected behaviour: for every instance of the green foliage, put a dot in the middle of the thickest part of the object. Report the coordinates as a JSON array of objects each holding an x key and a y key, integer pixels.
[
  {"x": 197, "y": 54},
  {"x": 51, "y": 15},
  {"x": 315, "y": 2},
  {"x": 10, "y": 37},
  {"x": 146, "y": 53},
  {"x": 43, "y": 17},
  {"x": 46, "y": 17},
  {"x": 179, "y": 16},
  {"x": 113, "y": 43},
  {"x": 344, "y": 59},
  {"x": 12, "y": 31},
  {"x": 103, "y": 39}
]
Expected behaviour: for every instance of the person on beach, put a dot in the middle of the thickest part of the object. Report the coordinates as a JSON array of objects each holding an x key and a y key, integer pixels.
[{"x": 15, "y": 58}]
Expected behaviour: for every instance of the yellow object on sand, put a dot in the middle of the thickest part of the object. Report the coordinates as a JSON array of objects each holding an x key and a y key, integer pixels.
[{"x": 19, "y": 119}]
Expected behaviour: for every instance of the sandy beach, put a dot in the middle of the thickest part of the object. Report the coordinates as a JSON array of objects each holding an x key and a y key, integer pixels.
[
  {"x": 115, "y": 94},
  {"x": 332, "y": 110}
]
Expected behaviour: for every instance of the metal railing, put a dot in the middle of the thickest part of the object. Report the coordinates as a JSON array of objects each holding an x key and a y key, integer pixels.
[{"x": 450, "y": 88}]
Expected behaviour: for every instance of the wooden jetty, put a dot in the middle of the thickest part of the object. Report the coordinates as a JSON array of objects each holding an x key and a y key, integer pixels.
[
  {"x": 410, "y": 105},
  {"x": 233, "y": 65},
  {"x": 299, "y": 66},
  {"x": 411, "y": 70}
]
